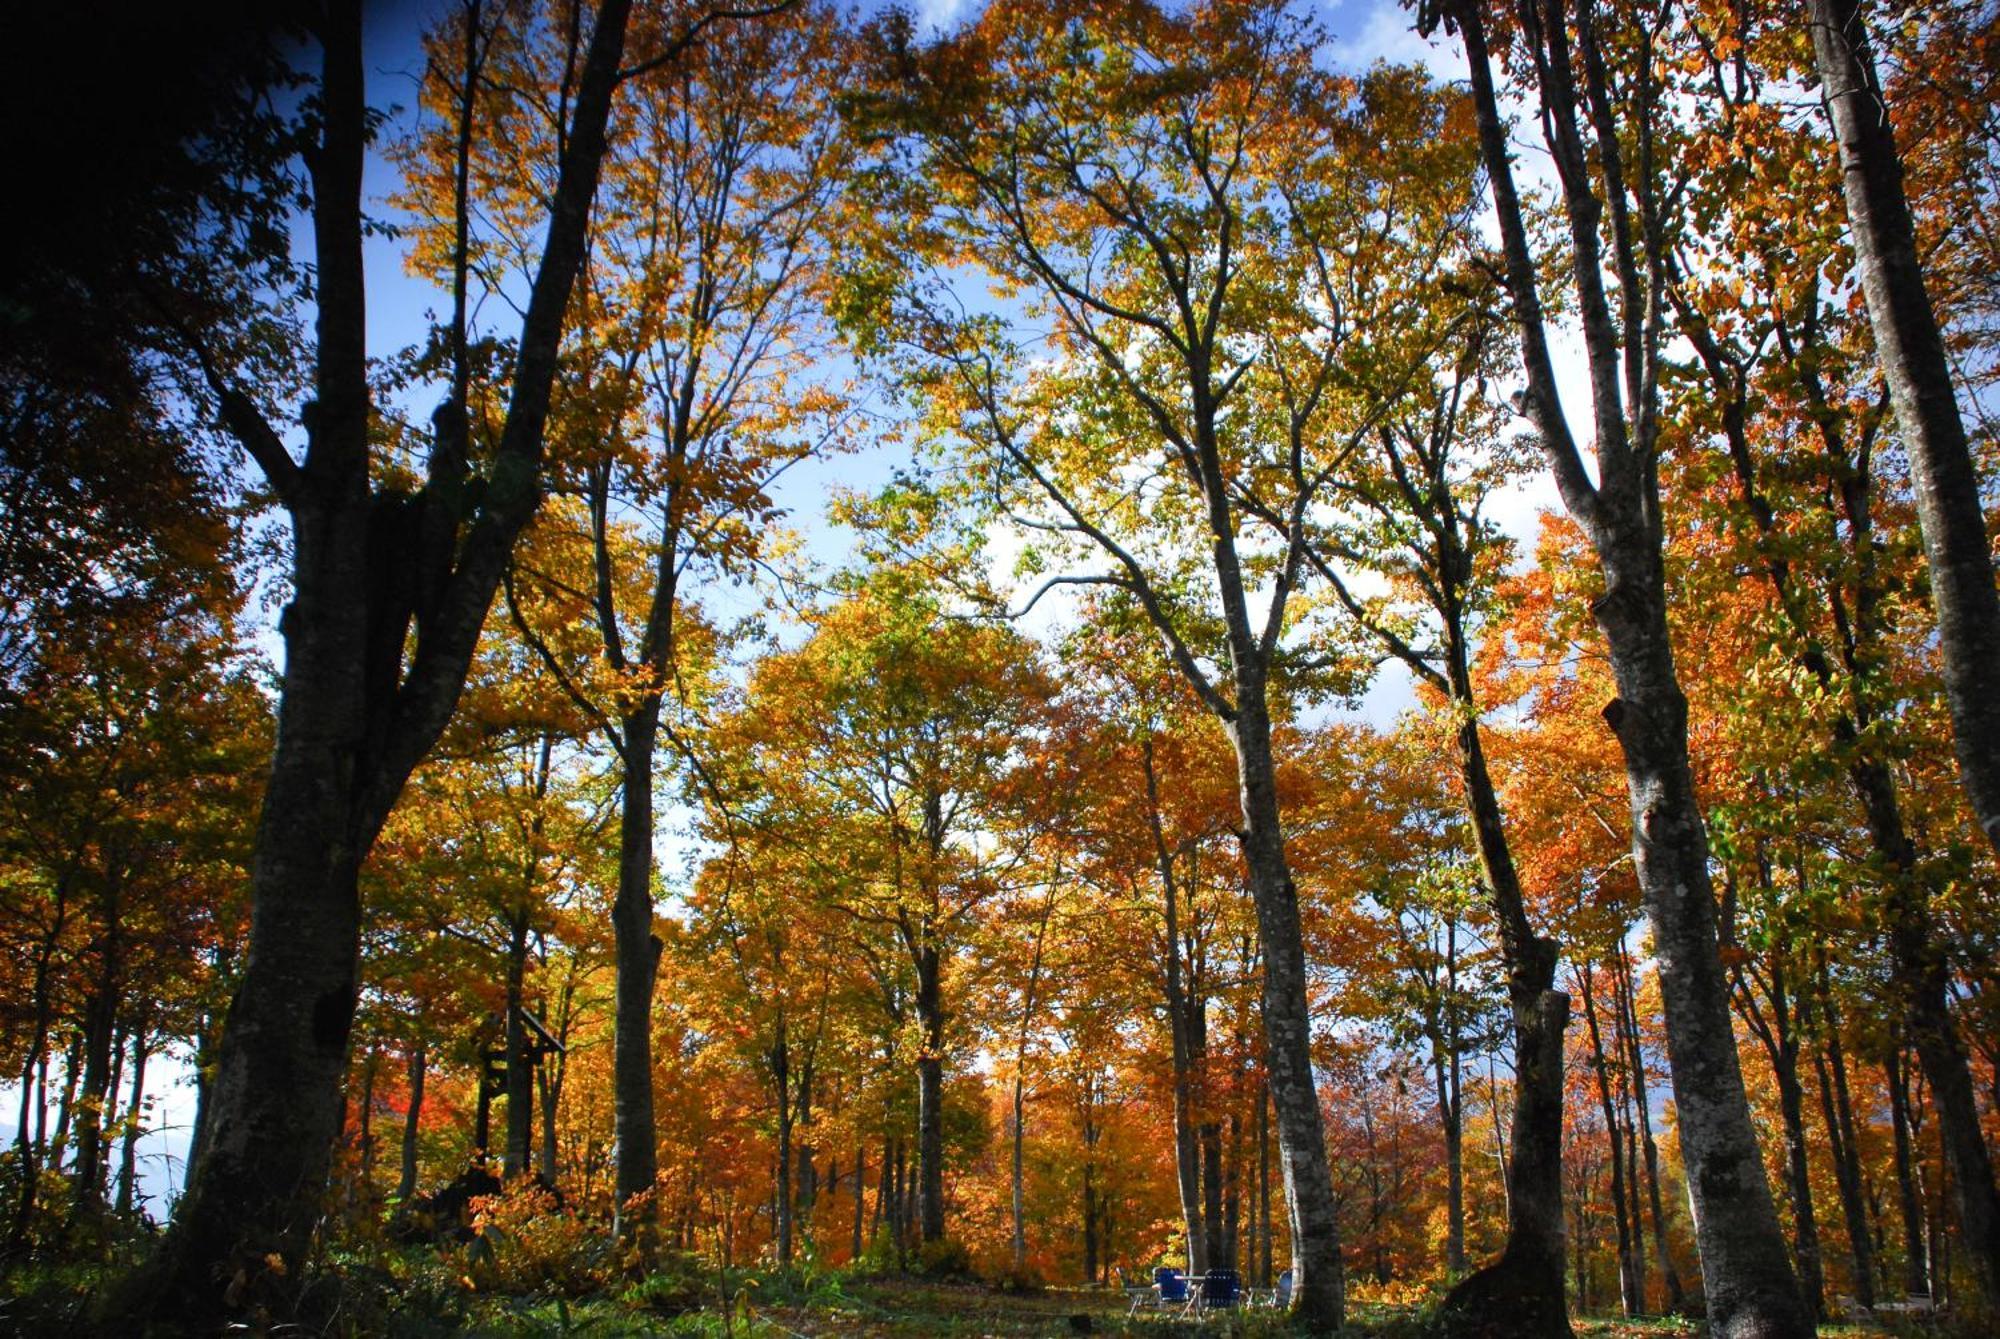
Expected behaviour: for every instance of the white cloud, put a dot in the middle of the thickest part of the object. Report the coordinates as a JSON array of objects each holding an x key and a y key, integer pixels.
[{"x": 1366, "y": 31}]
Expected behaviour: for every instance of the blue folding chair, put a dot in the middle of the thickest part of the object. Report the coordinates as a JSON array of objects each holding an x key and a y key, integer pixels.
[
  {"x": 1171, "y": 1285},
  {"x": 1139, "y": 1292},
  {"x": 1220, "y": 1291},
  {"x": 1282, "y": 1297}
]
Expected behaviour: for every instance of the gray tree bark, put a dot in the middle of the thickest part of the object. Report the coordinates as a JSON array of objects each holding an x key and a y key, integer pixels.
[
  {"x": 781, "y": 1192},
  {"x": 1624, "y": 1205},
  {"x": 1020, "y": 1132},
  {"x": 1747, "y": 1276},
  {"x": 1318, "y": 1272},
  {"x": 1777, "y": 1020},
  {"x": 1910, "y": 348},
  {"x": 1830, "y": 1064},
  {"x": 1521, "y": 1293}
]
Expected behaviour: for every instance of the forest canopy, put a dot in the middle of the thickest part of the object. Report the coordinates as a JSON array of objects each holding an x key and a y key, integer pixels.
[{"x": 676, "y": 665}]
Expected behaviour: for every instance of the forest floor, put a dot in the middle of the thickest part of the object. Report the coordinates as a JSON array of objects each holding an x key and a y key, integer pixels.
[
  {"x": 906, "y": 1309},
  {"x": 432, "y": 1303}
]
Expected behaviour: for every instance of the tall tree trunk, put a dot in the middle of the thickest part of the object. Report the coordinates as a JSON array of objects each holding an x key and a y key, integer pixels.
[
  {"x": 1931, "y": 1029},
  {"x": 1635, "y": 1057},
  {"x": 1500, "y": 1159},
  {"x": 1776, "y": 1010},
  {"x": 1910, "y": 349},
  {"x": 885, "y": 1191},
  {"x": 406, "y": 1181},
  {"x": 522, "y": 1068},
  {"x": 1805, "y": 1223},
  {"x": 1453, "y": 1128},
  {"x": 518, "y": 1159},
  {"x": 1318, "y": 1276},
  {"x": 58, "y": 1143},
  {"x": 1521, "y": 1293},
  {"x": 206, "y": 1040},
  {"x": 364, "y": 1171},
  {"x": 1187, "y": 1146},
  {"x": 107, "y": 1111},
  {"x": 128, "y": 1156},
  {"x": 1631, "y": 1297},
  {"x": 930, "y": 1094},
  {"x": 1215, "y": 1242},
  {"x": 1018, "y": 1198},
  {"x": 1264, "y": 1251},
  {"x": 101, "y": 1050},
  {"x": 361, "y": 700},
  {"x": 1937, "y": 1233},
  {"x": 805, "y": 1176},
  {"x": 1747, "y": 1276},
  {"x": 1028, "y": 1002},
  {"x": 781, "y": 1193},
  {"x": 1916, "y": 1265},
  {"x": 1830, "y": 1064},
  {"x": 550, "y": 1075},
  {"x": 1922, "y": 977},
  {"x": 860, "y": 1196},
  {"x": 549, "y": 1090},
  {"x": 930, "y": 1148},
  {"x": 87, "y": 1120},
  {"x": 1091, "y": 1198},
  {"x": 1750, "y": 1286},
  {"x": 636, "y": 952},
  {"x": 1846, "y": 1176},
  {"x": 34, "y": 1064},
  {"x": 1089, "y": 1223},
  {"x": 1914, "y": 950},
  {"x": 1180, "y": 1013},
  {"x": 1580, "y": 1269},
  {"x": 42, "y": 1101},
  {"x": 900, "y": 1204},
  {"x": 1232, "y": 1199}
]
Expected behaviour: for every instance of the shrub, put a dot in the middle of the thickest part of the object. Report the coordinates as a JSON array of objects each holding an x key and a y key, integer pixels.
[
  {"x": 675, "y": 1288},
  {"x": 1026, "y": 1280},
  {"x": 945, "y": 1258},
  {"x": 525, "y": 1242}
]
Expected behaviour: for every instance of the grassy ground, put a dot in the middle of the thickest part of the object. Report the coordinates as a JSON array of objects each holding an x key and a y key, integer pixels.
[
  {"x": 904, "y": 1309},
  {"x": 432, "y": 1300}
]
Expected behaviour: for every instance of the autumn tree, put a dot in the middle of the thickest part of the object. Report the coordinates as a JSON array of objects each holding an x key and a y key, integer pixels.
[
  {"x": 1180, "y": 198},
  {"x": 495, "y": 851},
  {"x": 1825, "y": 509},
  {"x": 1910, "y": 348},
  {"x": 1415, "y": 519},
  {"x": 125, "y": 807},
  {"x": 1151, "y": 828},
  {"x": 687, "y": 389},
  {"x": 895, "y": 725},
  {"x": 1596, "y": 82},
  {"x": 391, "y": 578}
]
